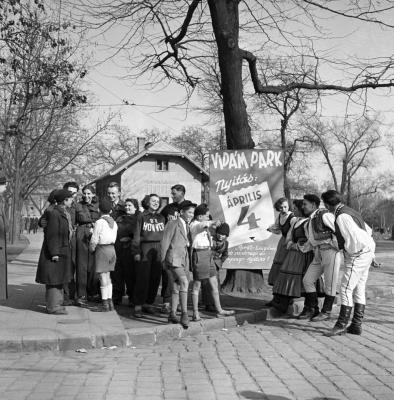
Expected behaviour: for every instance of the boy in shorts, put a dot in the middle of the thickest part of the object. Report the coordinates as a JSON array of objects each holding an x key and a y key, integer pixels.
[
  {"x": 175, "y": 257},
  {"x": 203, "y": 265}
]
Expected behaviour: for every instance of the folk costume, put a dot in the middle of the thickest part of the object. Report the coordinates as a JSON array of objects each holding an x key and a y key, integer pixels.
[
  {"x": 282, "y": 226},
  {"x": 327, "y": 260},
  {"x": 354, "y": 238},
  {"x": 288, "y": 284}
]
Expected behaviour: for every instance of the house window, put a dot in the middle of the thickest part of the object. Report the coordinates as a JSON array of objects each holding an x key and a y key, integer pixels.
[{"x": 161, "y": 165}]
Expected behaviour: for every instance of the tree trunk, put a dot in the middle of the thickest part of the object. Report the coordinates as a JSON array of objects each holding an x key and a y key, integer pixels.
[
  {"x": 225, "y": 23},
  {"x": 286, "y": 164}
]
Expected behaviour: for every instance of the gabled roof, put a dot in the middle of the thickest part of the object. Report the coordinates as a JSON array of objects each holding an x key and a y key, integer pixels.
[{"x": 158, "y": 148}]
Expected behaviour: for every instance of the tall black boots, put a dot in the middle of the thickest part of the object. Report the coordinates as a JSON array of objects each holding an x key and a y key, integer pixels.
[
  {"x": 341, "y": 324},
  {"x": 325, "y": 313},
  {"x": 311, "y": 306},
  {"x": 358, "y": 315}
]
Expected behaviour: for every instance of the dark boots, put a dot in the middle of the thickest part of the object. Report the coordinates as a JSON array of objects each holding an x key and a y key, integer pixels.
[
  {"x": 341, "y": 324},
  {"x": 325, "y": 313},
  {"x": 311, "y": 306},
  {"x": 358, "y": 315}
]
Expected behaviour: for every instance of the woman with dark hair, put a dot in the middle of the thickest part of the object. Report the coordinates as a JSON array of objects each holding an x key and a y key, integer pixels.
[
  {"x": 280, "y": 227},
  {"x": 147, "y": 235},
  {"x": 55, "y": 258},
  {"x": 125, "y": 263},
  {"x": 288, "y": 284},
  {"x": 86, "y": 214}
]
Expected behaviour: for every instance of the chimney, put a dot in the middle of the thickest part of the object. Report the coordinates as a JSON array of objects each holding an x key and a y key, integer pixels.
[{"x": 140, "y": 144}]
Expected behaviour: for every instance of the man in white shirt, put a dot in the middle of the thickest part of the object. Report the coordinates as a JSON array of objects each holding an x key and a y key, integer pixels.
[
  {"x": 327, "y": 259},
  {"x": 355, "y": 240}
]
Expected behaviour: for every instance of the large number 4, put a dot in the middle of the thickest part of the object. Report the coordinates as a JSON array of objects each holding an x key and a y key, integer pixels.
[{"x": 251, "y": 219}]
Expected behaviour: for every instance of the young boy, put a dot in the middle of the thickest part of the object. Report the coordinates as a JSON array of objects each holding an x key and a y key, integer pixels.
[
  {"x": 203, "y": 266},
  {"x": 175, "y": 257}
]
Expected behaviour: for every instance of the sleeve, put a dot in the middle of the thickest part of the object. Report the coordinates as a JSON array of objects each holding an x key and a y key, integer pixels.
[
  {"x": 349, "y": 232},
  {"x": 198, "y": 227},
  {"x": 290, "y": 233},
  {"x": 94, "y": 240},
  {"x": 224, "y": 256},
  {"x": 52, "y": 235},
  {"x": 136, "y": 241},
  {"x": 329, "y": 220},
  {"x": 168, "y": 234},
  {"x": 275, "y": 227}
]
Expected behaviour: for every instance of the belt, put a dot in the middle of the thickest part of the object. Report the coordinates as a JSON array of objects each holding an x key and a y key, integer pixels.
[{"x": 202, "y": 248}]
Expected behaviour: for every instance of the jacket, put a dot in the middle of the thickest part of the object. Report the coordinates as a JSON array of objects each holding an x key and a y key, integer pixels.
[
  {"x": 56, "y": 243},
  {"x": 174, "y": 245}
]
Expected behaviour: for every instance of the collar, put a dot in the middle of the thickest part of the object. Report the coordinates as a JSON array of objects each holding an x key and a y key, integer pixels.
[{"x": 338, "y": 208}]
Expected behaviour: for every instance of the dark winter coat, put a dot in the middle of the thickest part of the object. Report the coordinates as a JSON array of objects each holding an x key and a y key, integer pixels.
[
  {"x": 56, "y": 243},
  {"x": 85, "y": 215}
]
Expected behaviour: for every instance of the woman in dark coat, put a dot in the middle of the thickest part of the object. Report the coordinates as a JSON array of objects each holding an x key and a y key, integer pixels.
[
  {"x": 54, "y": 265},
  {"x": 126, "y": 226},
  {"x": 86, "y": 214}
]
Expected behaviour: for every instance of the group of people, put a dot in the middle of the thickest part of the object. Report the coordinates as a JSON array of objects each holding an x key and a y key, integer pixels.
[
  {"x": 100, "y": 250},
  {"x": 314, "y": 242},
  {"x": 29, "y": 224}
]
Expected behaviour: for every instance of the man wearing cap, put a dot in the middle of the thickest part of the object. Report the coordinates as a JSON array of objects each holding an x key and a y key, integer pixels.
[{"x": 55, "y": 257}]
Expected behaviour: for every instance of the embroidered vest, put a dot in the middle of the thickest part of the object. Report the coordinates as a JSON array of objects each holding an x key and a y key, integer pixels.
[
  {"x": 320, "y": 230},
  {"x": 286, "y": 226},
  {"x": 357, "y": 218}
]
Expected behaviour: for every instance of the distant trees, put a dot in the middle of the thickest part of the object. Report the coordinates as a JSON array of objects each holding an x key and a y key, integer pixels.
[{"x": 40, "y": 93}]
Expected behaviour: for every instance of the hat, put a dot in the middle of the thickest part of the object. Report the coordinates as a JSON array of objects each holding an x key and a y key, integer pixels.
[
  {"x": 62, "y": 194},
  {"x": 105, "y": 206},
  {"x": 51, "y": 197},
  {"x": 186, "y": 204},
  {"x": 223, "y": 229}
]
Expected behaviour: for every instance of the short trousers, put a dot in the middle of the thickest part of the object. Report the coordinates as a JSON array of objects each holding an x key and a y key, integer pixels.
[{"x": 203, "y": 266}]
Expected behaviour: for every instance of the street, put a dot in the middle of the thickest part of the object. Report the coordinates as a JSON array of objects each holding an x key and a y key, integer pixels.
[{"x": 276, "y": 360}]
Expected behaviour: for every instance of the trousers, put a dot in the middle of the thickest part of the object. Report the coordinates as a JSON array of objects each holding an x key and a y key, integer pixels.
[
  {"x": 355, "y": 278},
  {"x": 327, "y": 262}
]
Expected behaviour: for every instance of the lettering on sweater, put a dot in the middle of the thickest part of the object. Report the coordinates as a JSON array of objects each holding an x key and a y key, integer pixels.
[{"x": 153, "y": 226}]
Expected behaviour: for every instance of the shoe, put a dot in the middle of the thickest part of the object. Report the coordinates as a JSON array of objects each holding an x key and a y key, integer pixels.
[
  {"x": 165, "y": 308},
  {"x": 61, "y": 311},
  {"x": 96, "y": 298},
  {"x": 225, "y": 313},
  {"x": 341, "y": 324},
  {"x": 184, "y": 321},
  {"x": 325, "y": 314},
  {"x": 311, "y": 308},
  {"x": 138, "y": 312},
  {"x": 196, "y": 317},
  {"x": 358, "y": 315},
  {"x": 81, "y": 302},
  {"x": 173, "y": 319},
  {"x": 149, "y": 309}
]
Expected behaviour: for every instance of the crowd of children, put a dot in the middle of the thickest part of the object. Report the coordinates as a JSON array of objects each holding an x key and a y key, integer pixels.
[{"x": 104, "y": 249}]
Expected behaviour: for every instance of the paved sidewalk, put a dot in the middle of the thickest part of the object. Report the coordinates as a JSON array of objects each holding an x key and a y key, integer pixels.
[
  {"x": 285, "y": 359},
  {"x": 26, "y": 326}
]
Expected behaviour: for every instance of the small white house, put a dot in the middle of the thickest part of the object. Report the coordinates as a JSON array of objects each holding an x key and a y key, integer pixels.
[{"x": 155, "y": 169}]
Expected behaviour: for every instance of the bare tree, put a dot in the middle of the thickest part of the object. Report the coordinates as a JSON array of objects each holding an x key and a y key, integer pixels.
[
  {"x": 39, "y": 92},
  {"x": 172, "y": 38},
  {"x": 345, "y": 147}
]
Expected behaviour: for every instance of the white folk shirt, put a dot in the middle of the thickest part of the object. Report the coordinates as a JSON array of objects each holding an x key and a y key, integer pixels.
[
  {"x": 329, "y": 221},
  {"x": 103, "y": 234},
  {"x": 356, "y": 239},
  {"x": 201, "y": 238}
]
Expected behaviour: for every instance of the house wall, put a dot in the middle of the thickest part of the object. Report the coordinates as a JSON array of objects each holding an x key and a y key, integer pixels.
[{"x": 142, "y": 178}]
